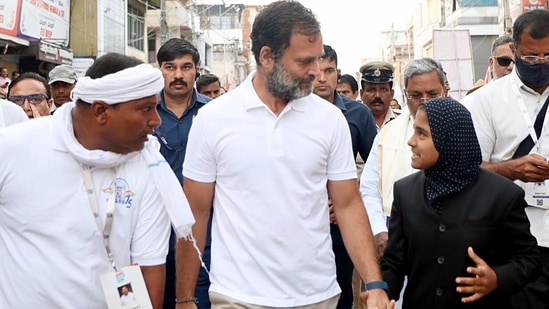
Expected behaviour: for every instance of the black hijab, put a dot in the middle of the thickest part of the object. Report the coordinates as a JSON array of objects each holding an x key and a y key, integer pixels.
[{"x": 455, "y": 140}]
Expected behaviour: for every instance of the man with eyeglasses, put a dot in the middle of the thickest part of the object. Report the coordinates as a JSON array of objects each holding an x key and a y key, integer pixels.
[
  {"x": 390, "y": 156},
  {"x": 32, "y": 93},
  {"x": 179, "y": 103},
  {"x": 501, "y": 63},
  {"x": 502, "y": 59},
  {"x": 510, "y": 119}
]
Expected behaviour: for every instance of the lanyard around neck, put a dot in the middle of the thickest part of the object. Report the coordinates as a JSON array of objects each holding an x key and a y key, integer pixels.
[
  {"x": 526, "y": 116},
  {"x": 92, "y": 197}
]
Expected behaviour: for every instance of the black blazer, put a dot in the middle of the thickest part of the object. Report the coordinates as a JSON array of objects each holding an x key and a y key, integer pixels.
[{"x": 431, "y": 248}]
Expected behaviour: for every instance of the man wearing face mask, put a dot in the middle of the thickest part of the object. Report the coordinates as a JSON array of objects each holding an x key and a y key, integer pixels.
[{"x": 510, "y": 120}]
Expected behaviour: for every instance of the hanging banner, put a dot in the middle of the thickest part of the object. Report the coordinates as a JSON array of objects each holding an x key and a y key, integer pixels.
[
  {"x": 46, "y": 19},
  {"x": 529, "y": 5},
  {"x": 9, "y": 12}
]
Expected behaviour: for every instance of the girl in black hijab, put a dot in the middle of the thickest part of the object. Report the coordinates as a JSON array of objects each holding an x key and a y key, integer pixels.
[{"x": 458, "y": 232}]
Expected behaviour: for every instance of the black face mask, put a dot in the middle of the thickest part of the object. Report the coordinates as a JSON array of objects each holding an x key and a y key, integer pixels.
[{"x": 536, "y": 75}]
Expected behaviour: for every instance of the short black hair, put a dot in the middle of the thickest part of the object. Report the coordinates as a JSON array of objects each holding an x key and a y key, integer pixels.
[
  {"x": 177, "y": 47},
  {"x": 330, "y": 53},
  {"x": 536, "y": 22},
  {"x": 205, "y": 80},
  {"x": 30, "y": 75},
  {"x": 276, "y": 23},
  {"x": 111, "y": 63},
  {"x": 349, "y": 79}
]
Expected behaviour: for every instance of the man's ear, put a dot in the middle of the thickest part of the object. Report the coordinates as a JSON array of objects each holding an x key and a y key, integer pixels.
[
  {"x": 196, "y": 75},
  {"x": 266, "y": 57},
  {"x": 513, "y": 47},
  {"x": 99, "y": 110}
]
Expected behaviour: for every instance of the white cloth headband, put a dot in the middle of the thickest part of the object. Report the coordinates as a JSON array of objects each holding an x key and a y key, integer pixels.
[{"x": 129, "y": 84}]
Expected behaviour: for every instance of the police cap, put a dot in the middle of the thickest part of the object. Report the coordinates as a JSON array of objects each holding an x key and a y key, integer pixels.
[{"x": 377, "y": 72}]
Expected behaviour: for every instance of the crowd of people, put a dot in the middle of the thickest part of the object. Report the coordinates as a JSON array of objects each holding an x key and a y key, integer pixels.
[{"x": 297, "y": 189}]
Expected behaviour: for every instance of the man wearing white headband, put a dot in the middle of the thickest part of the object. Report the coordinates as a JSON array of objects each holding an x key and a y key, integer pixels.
[{"x": 103, "y": 200}]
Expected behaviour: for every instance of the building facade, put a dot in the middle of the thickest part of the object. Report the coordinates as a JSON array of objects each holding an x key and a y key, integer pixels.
[
  {"x": 102, "y": 26},
  {"x": 37, "y": 35},
  {"x": 34, "y": 35},
  {"x": 460, "y": 33}
]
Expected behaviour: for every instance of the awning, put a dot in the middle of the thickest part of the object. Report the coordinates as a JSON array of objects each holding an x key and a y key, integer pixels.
[
  {"x": 49, "y": 52},
  {"x": 4, "y": 38}
]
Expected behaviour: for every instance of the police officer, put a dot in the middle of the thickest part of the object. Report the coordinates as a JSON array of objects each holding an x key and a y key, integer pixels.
[{"x": 377, "y": 90}]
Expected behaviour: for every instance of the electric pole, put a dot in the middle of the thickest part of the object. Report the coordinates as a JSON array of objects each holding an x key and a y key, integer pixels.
[
  {"x": 163, "y": 23},
  {"x": 507, "y": 22}
]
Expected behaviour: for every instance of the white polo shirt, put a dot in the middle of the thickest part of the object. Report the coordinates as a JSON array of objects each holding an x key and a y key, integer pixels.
[
  {"x": 52, "y": 250},
  {"x": 500, "y": 128},
  {"x": 271, "y": 242}
]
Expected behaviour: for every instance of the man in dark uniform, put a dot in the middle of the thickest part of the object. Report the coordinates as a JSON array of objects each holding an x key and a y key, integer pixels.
[
  {"x": 377, "y": 90},
  {"x": 363, "y": 130},
  {"x": 179, "y": 103}
]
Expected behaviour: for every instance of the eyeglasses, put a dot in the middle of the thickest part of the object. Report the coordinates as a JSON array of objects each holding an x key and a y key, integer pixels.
[
  {"x": 504, "y": 61},
  {"x": 34, "y": 99},
  {"x": 418, "y": 97},
  {"x": 533, "y": 60}
]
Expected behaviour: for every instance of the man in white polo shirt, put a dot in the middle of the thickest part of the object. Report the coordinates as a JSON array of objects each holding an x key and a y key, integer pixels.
[{"x": 266, "y": 156}]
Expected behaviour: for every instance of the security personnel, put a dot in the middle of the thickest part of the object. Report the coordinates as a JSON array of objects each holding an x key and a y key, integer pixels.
[
  {"x": 377, "y": 90},
  {"x": 363, "y": 131}
]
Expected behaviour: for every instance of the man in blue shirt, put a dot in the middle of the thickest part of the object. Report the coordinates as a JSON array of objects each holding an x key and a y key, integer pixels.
[
  {"x": 363, "y": 130},
  {"x": 179, "y": 103}
]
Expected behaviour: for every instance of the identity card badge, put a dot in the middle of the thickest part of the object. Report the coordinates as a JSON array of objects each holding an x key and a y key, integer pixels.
[
  {"x": 537, "y": 194},
  {"x": 125, "y": 289}
]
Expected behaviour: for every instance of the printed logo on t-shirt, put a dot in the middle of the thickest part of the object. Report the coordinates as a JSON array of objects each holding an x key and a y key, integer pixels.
[{"x": 123, "y": 194}]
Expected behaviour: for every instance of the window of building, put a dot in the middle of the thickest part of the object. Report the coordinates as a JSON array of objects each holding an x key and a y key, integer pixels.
[
  {"x": 152, "y": 47},
  {"x": 478, "y": 3},
  {"x": 113, "y": 27},
  {"x": 136, "y": 28}
]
